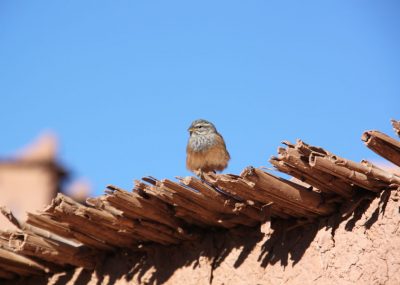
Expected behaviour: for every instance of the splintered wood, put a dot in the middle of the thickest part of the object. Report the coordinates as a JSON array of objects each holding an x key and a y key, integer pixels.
[
  {"x": 68, "y": 233},
  {"x": 396, "y": 126},
  {"x": 329, "y": 173},
  {"x": 295, "y": 161},
  {"x": 383, "y": 145},
  {"x": 13, "y": 265}
]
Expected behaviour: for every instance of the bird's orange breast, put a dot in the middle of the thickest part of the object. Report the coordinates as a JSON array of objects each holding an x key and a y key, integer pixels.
[{"x": 214, "y": 158}]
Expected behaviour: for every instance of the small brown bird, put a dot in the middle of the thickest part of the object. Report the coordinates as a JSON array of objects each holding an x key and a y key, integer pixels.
[{"x": 206, "y": 149}]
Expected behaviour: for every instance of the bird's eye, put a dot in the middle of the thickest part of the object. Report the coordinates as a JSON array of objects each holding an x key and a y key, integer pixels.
[{"x": 200, "y": 127}]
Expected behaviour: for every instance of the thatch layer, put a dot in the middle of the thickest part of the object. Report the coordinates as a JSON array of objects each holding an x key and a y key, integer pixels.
[{"x": 68, "y": 233}]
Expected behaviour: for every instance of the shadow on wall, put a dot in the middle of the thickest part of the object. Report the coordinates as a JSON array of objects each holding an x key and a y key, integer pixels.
[{"x": 281, "y": 242}]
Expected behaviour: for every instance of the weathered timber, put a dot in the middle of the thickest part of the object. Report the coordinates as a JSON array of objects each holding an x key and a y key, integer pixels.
[
  {"x": 186, "y": 209},
  {"x": 51, "y": 250},
  {"x": 317, "y": 183},
  {"x": 211, "y": 205},
  {"x": 107, "y": 228},
  {"x": 294, "y": 160},
  {"x": 8, "y": 214},
  {"x": 167, "y": 198},
  {"x": 170, "y": 234},
  {"x": 287, "y": 193},
  {"x": 327, "y": 164},
  {"x": 370, "y": 170},
  {"x": 64, "y": 229},
  {"x": 245, "y": 188},
  {"x": 135, "y": 206},
  {"x": 228, "y": 204},
  {"x": 23, "y": 226},
  {"x": 383, "y": 145},
  {"x": 100, "y": 224},
  {"x": 191, "y": 201},
  {"x": 20, "y": 265}
]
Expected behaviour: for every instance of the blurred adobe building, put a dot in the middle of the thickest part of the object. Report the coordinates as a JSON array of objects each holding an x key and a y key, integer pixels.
[{"x": 30, "y": 180}]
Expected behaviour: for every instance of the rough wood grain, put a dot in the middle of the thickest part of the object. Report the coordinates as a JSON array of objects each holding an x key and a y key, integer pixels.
[
  {"x": 20, "y": 265},
  {"x": 287, "y": 193},
  {"x": 64, "y": 229},
  {"x": 328, "y": 165},
  {"x": 245, "y": 188},
  {"x": 372, "y": 171},
  {"x": 294, "y": 160},
  {"x": 383, "y": 145},
  {"x": 51, "y": 250},
  {"x": 225, "y": 203}
]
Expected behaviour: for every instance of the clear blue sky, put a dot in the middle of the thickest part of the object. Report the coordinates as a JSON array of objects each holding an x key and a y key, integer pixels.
[{"x": 120, "y": 81}]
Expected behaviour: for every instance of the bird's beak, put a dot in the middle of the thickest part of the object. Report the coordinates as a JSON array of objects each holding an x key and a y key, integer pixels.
[{"x": 191, "y": 130}]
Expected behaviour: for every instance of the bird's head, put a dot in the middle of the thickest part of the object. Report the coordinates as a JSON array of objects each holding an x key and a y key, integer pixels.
[{"x": 201, "y": 127}]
